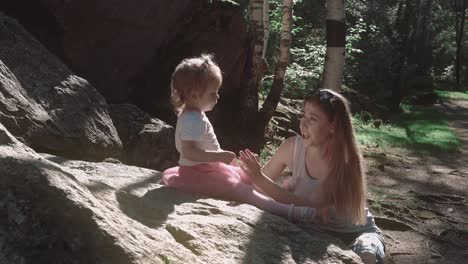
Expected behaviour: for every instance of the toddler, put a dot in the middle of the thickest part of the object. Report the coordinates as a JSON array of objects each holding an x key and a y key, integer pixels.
[{"x": 204, "y": 168}]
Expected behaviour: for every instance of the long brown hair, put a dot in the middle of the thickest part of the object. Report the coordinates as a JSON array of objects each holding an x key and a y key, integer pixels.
[
  {"x": 192, "y": 75},
  {"x": 346, "y": 181}
]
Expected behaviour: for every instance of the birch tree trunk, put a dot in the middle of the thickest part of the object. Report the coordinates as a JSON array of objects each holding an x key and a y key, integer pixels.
[
  {"x": 271, "y": 102},
  {"x": 266, "y": 26},
  {"x": 256, "y": 46},
  {"x": 335, "y": 55}
]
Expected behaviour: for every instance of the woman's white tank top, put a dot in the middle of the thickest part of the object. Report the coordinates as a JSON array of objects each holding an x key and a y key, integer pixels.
[{"x": 303, "y": 185}]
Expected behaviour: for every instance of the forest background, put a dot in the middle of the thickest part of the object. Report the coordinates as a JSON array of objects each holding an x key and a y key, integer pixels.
[
  {"x": 398, "y": 53},
  {"x": 390, "y": 46}
]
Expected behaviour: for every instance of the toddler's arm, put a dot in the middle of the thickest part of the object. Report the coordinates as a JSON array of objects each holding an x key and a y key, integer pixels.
[{"x": 192, "y": 152}]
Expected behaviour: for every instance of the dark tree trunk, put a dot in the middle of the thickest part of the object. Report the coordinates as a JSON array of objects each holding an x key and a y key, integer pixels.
[
  {"x": 244, "y": 123},
  {"x": 459, "y": 29},
  {"x": 403, "y": 29},
  {"x": 423, "y": 39},
  {"x": 250, "y": 98}
]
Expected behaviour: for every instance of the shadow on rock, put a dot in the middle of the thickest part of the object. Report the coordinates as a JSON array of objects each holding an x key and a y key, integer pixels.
[
  {"x": 292, "y": 244},
  {"x": 153, "y": 208}
]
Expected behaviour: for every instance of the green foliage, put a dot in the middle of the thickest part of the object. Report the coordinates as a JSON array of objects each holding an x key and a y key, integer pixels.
[
  {"x": 267, "y": 152},
  {"x": 377, "y": 57},
  {"x": 307, "y": 53},
  {"x": 354, "y": 35},
  {"x": 376, "y": 204},
  {"x": 444, "y": 45},
  {"x": 275, "y": 16},
  {"x": 370, "y": 52}
]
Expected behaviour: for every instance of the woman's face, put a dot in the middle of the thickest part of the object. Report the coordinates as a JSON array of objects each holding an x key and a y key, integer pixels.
[{"x": 315, "y": 126}]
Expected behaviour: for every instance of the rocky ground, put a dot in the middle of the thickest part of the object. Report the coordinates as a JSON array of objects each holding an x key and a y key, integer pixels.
[{"x": 420, "y": 200}]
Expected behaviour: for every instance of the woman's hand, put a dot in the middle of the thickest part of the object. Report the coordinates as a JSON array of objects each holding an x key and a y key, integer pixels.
[{"x": 250, "y": 164}]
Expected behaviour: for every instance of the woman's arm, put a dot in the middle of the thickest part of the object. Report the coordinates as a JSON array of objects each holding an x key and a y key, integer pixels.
[
  {"x": 280, "y": 159},
  {"x": 251, "y": 166}
]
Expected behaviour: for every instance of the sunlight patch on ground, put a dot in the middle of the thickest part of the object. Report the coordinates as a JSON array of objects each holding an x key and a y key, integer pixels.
[
  {"x": 419, "y": 128},
  {"x": 462, "y": 95}
]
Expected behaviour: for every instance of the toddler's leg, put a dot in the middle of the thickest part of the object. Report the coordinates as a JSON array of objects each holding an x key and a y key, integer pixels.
[
  {"x": 302, "y": 215},
  {"x": 168, "y": 174},
  {"x": 247, "y": 194},
  {"x": 246, "y": 179}
]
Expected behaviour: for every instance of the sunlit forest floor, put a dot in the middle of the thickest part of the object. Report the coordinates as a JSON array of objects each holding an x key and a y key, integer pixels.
[{"x": 419, "y": 197}]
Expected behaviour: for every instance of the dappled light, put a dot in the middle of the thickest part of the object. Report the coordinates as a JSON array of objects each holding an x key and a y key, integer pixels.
[{"x": 234, "y": 131}]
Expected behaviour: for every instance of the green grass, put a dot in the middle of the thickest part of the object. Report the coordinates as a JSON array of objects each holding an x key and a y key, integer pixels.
[
  {"x": 462, "y": 95},
  {"x": 420, "y": 128},
  {"x": 377, "y": 195}
]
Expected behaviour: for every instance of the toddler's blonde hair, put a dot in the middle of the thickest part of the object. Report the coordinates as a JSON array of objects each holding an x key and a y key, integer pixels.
[{"x": 192, "y": 77}]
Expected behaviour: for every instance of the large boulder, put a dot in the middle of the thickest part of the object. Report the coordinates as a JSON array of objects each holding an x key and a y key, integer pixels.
[
  {"x": 147, "y": 142},
  {"x": 285, "y": 120},
  {"x": 46, "y": 105},
  {"x": 55, "y": 210},
  {"x": 129, "y": 51}
]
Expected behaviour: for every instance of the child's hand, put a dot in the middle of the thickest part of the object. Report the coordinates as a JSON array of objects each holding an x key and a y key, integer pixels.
[
  {"x": 250, "y": 163},
  {"x": 226, "y": 156}
]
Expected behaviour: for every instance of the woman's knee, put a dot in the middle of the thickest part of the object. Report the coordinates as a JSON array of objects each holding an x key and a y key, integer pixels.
[
  {"x": 370, "y": 247},
  {"x": 368, "y": 258}
]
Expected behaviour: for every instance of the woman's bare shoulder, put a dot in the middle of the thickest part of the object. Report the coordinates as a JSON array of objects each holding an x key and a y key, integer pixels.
[
  {"x": 289, "y": 142},
  {"x": 286, "y": 149}
]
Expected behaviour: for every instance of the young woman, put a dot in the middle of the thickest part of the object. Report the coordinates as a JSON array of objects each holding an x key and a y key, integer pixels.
[{"x": 327, "y": 180}]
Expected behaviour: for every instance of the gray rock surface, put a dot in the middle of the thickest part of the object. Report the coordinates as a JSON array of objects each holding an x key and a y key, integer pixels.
[
  {"x": 48, "y": 107},
  {"x": 55, "y": 210},
  {"x": 147, "y": 142}
]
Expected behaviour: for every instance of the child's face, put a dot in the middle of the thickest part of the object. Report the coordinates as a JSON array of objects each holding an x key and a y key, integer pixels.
[
  {"x": 208, "y": 99},
  {"x": 315, "y": 126}
]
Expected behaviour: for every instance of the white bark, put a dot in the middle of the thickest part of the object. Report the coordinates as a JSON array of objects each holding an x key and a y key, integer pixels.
[
  {"x": 256, "y": 48},
  {"x": 336, "y": 10},
  {"x": 273, "y": 97},
  {"x": 256, "y": 27},
  {"x": 334, "y": 66},
  {"x": 286, "y": 37},
  {"x": 335, "y": 54},
  {"x": 266, "y": 26}
]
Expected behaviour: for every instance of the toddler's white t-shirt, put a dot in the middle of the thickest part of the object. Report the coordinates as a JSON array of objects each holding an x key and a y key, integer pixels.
[{"x": 195, "y": 126}]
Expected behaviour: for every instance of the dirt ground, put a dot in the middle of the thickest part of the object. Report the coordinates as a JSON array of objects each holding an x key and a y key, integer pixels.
[{"x": 420, "y": 201}]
